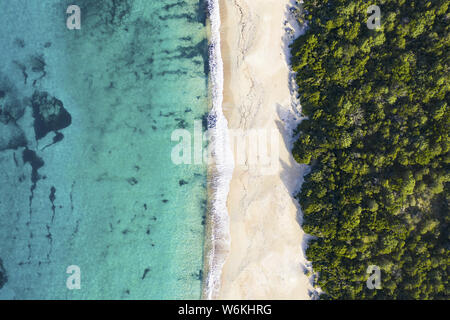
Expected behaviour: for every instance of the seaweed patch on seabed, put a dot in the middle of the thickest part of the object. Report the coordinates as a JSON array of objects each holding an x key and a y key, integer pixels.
[
  {"x": 146, "y": 271},
  {"x": 174, "y": 5},
  {"x": 49, "y": 115},
  {"x": 190, "y": 52},
  {"x": 202, "y": 11},
  {"x": 36, "y": 63},
  {"x": 19, "y": 42},
  {"x": 52, "y": 198},
  {"x": 198, "y": 276},
  {"x": 23, "y": 69},
  {"x": 3, "y": 276},
  {"x": 29, "y": 156}
]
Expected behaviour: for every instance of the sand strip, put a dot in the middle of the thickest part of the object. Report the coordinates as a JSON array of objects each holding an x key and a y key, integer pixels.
[{"x": 266, "y": 259}]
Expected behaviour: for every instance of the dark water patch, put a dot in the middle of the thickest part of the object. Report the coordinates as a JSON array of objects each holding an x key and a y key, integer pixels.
[
  {"x": 38, "y": 64},
  {"x": 185, "y": 16},
  {"x": 200, "y": 15},
  {"x": 170, "y": 114},
  {"x": 52, "y": 198},
  {"x": 146, "y": 271},
  {"x": 203, "y": 48},
  {"x": 47, "y": 45},
  {"x": 3, "y": 275},
  {"x": 22, "y": 178},
  {"x": 111, "y": 85},
  {"x": 202, "y": 11},
  {"x": 132, "y": 181},
  {"x": 57, "y": 138},
  {"x": 167, "y": 7},
  {"x": 182, "y": 124},
  {"x": 118, "y": 11},
  {"x": 19, "y": 42},
  {"x": 102, "y": 177},
  {"x": 198, "y": 275},
  {"x": 49, "y": 114},
  {"x": 172, "y": 72},
  {"x": 23, "y": 69},
  {"x": 50, "y": 240},
  {"x": 71, "y": 196},
  {"x": 189, "y": 52},
  {"x": 29, "y": 156},
  {"x": 15, "y": 159},
  {"x": 205, "y": 121}
]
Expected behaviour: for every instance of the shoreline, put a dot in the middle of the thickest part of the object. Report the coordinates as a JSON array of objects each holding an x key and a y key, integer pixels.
[
  {"x": 217, "y": 237},
  {"x": 266, "y": 258}
]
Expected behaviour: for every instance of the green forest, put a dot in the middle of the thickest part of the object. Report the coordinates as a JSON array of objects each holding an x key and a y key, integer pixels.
[{"x": 376, "y": 137}]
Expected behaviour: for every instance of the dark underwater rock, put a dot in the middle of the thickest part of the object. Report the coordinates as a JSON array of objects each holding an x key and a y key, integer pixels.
[{"x": 49, "y": 114}]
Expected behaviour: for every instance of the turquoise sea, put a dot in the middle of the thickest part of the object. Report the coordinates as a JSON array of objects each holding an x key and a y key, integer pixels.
[{"x": 86, "y": 118}]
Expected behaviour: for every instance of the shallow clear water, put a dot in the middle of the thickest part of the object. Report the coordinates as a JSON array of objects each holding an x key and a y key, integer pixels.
[{"x": 106, "y": 197}]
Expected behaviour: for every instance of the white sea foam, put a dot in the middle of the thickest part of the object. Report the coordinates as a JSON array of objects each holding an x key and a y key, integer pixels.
[{"x": 224, "y": 161}]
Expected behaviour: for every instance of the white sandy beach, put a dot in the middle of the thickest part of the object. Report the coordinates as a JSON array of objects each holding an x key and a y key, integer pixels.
[{"x": 266, "y": 258}]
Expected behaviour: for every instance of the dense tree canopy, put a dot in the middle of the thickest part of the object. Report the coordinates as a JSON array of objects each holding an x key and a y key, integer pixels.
[{"x": 377, "y": 139}]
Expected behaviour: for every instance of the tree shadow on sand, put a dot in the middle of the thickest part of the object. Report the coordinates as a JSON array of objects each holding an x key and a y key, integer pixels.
[{"x": 292, "y": 175}]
